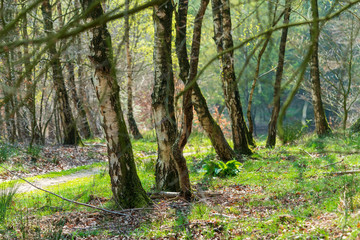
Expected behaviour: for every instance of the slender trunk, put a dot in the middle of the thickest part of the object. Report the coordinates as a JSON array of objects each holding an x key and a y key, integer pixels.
[
  {"x": 256, "y": 75},
  {"x": 271, "y": 138},
  {"x": 188, "y": 71},
  {"x": 210, "y": 126},
  {"x": 71, "y": 135},
  {"x": 130, "y": 114},
  {"x": 257, "y": 71},
  {"x": 193, "y": 98},
  {"x": 82, "y": 76},
  {"x": 163, "y": 100},
  {"x": 187, "y": 107},
  {"x": 223, "y": 40},
  {"x": 30, "y": 89},
  {"x": 321, "y": 124},
  {"x": 126, "y": 186},
  {"x": 83, "y": 123}
]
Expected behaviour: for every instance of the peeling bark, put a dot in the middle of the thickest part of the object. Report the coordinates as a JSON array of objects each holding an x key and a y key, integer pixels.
[
  {"x": 166, "y": 172},
  {"x": 223, "y": 40},
  {"x": 125, "y": 183}
]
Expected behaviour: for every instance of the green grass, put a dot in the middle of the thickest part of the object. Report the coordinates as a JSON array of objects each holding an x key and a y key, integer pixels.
[{"x": 278, "y": 194}]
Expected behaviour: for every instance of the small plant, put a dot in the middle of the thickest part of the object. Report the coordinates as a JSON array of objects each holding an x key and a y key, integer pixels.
[
  {"x": 4, "y": 154},
  {"x": 34, "y": 152},
  {"x": 220, "y": 169},
  {"x": 6, "y": 150}
]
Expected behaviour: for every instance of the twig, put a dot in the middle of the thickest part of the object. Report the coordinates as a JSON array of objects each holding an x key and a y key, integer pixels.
[
  {"x": 63, "y": 198},
  {"x": 333, "y": 163},
  {"x": 342, "y": 173},
  {"x": 222, "y": 215},
  {"x": 306, "y": 152},
  {"x": 176, "y": 194}
]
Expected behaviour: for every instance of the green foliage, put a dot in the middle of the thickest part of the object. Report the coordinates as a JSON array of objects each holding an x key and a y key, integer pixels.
[
  {"x": 34, "y": 151},
  {"x": 293, "y": 131},
  {"x": 6, "y": 151},
  {"x": 217, "y": 168}
]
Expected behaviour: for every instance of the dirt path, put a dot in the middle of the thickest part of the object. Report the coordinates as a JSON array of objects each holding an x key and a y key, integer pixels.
[
  {"x": 46, "y": 182},
  {"x": 24, "y": 187}
]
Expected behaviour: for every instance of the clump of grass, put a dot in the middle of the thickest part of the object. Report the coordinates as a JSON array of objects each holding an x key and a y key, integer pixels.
[
  {"x": 7, "y": 194},
  {"x": 294, "y": 131}
]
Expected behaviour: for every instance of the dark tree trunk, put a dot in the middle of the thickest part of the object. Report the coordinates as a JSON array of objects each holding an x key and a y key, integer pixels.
[
  {"x": 130, "y": 114},
  {"x": 210, "y": 126},
  {"x": 163, "y": 100},
  {"x": 223, "y": 40},
  {"x": 193, "y": 98},
  {"x": 256, "y": 76},
  {"x": 321, "y": 124},
  {"x": 188, "y": 72},
  {"x": 71, "y": 135},
  {"x": 83, "y": 122},
  {"x": 257, "y": 71},
  {"x": 271, "y": 138},
  {"x": 187, "y": 107},
  {"x": 126, "y": 186}
]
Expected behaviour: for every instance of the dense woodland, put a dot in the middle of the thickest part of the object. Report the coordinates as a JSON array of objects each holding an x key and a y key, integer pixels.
[{"x": 181, "y": 98}]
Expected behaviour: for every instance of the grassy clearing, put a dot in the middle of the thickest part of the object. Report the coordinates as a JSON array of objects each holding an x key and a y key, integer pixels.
[{"x": 280, "y": 193}]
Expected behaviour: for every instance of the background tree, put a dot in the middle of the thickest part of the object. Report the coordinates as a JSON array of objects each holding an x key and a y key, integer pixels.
[
  {"x": 130, "y": 113},
  {"x": 271, "y": 138},
  {"x": 71, "y": 135},
  {"x": 321, "y": 124},
  {"x": 224, "y": 42}
]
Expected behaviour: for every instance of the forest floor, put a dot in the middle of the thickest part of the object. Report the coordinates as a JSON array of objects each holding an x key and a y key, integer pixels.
[{"x": 299, "y": 191}]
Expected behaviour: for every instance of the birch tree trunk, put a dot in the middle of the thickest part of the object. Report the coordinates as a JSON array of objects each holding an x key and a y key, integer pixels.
[
  {"x": 223, "y": 40},
  {"x": 125, "y": 183},
  {"x": 71, "y": 135},
  {"x": 321, "y": 124},
  {"x": 166, "y": 173},
  {"x": 271, "y": 138}
]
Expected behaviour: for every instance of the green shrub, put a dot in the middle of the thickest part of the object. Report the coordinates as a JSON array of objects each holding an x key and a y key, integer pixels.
[
  {"x": 34, "y": 151},
  {"x": 220, "y": 169},
  {"x": 6, "y": 150},
  {"x": 293, "y": 131}
]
